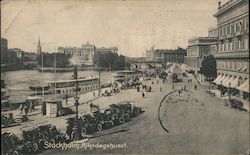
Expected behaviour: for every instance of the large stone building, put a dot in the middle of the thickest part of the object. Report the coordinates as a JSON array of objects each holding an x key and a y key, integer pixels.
[
  {"x": 10, "y": 56},
  {"x": 84, "y": 55},
  {"x": 4, "y": 50},
  {"x": 233, "y": 45},
  {"x": 198, "y": 48},
  {"x": 166, "y": 55}
]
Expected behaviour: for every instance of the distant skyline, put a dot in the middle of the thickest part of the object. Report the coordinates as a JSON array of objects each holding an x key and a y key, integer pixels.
[{"x": 132, "y": 25}]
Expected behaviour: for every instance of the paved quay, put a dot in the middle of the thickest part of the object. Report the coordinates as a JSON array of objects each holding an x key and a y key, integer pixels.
[{"x": 203, "y": 127}]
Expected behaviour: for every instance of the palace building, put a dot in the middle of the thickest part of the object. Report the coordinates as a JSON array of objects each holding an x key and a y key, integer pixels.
[
  {"x": 84, "y": 55},
  {"x": 232, "y": 56}
]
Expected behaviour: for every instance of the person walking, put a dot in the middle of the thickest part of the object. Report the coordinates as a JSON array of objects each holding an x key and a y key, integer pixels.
[
  {"x": 143, "y": 95},
  {"x": 195, "y": 87},
  {"x": 22, "y": 107},
  {"x": 160, "y": 89},
  {"x": 66, "y": 99},
  {"x": 138, "y": 89},
  {"x": 26, "y": 109}
]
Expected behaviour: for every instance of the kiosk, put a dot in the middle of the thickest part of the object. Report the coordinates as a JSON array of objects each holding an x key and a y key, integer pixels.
[{"x": 53, "y": 106}]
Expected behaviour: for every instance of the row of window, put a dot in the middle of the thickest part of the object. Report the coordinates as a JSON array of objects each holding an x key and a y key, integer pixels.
[
  {"x": 81, "y": 89},
  {"x": 234, "y": 65},
  {"x": 237, "y": 26},
  {"x": 235, "y": 44}
]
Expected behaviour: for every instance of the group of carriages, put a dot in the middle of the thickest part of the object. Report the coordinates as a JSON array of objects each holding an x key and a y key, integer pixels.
[
  {"x": 32, "y": 140},
  {"x": 109, "y": 117}
]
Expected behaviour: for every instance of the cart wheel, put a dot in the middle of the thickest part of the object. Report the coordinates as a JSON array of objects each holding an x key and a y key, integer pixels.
[
  {"x": 99, "y": 127},
  {"x": 83, "y": 131},
  {"x": 121, "y": 120}
]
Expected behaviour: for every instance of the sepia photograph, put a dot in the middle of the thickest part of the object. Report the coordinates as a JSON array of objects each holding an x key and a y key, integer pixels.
[{"x": 125, "y": 77}]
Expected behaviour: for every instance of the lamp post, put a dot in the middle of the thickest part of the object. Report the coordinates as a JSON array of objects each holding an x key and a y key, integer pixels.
[
  {"x": 221, "y": 88},
  {"x": 229, "y": 91},
  {"x": 76, "y": 128}
]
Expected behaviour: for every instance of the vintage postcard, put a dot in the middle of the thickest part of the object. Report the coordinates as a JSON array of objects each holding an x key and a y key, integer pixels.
[{"x": 125, "y": 77}]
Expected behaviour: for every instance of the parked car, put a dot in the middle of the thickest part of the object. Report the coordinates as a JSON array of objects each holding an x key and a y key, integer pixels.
[
  {"x": 21, "y": 118},
  {"x": 236, "y": 104},
  {"x": 7, "y": 119}
]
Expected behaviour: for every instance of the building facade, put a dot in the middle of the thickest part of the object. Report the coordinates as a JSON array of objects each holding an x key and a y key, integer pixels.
[
  {"x": 4, "y": 51},
  {"x": 233, "y": 45},
  {"x": 166, "y": 55},
  {"x": 17, "y": 55},
  {"x": 198, "y": 48},
  {"x": 85, "y": 54}
]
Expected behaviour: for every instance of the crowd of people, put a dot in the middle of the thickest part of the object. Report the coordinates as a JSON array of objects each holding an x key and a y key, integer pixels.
[{"x": 27, "y": 107}]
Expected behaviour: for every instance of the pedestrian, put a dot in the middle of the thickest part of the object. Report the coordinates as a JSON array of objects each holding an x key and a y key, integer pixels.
[
  {"x": 26, "y": 109},
  {"x": 138, "y": 89},
  {"x": 179, "y": 92},
  {"x": 160, "y": 89},
  {"x": 32, "y": 106},
  {"x": 150, "y": 88},
  {"x": 195, "y": 87},
  {"x": 143, "y": 95},
  {"x": 66, "y": 99},
  {"x": 21, "y": 107},
  {"x": 152, "y": 82}
]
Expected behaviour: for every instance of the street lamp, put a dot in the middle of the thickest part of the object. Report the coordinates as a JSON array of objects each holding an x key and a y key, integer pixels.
[
  {"x": 221, "y": 88},
  {"x": 229, "y": 91},
  {"x": 76, "y": 128}
]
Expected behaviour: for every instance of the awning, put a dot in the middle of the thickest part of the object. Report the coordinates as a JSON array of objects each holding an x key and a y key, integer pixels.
[
  {"x": 244, "y": 69},
  {"x": 234, "y": 82},
  {"x": 226, "y": 83},
  {"x": 221, "y": 79},
  {"x": 218, "y": 77},
  {"x": 225, "y": 80},
  {"x": 244, "y": 87}
]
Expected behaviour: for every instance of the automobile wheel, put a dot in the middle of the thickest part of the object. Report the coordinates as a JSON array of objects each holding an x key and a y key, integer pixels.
[
  {"x": 114, "y": 117},
  {"x": 15, "y": 153},
  {"x": 99, "y": 127},
  {"x": 35, "y": 147},
  {"x": 127, "y": 116},
  {"x": 83, "y": 131},
  {"x": 121, "y": 120},
  {"x": 52, "y": 141},
  {"x": 111, "y": 123}
]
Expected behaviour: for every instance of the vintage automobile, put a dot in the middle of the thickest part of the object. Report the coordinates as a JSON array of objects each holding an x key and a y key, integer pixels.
[
  {"x": 7, "y": 119},
  {"x": 236, "y": 104},
  {"x": 125, "y": 110},
  {"x": 21, "y": 118},
  {"x": 9, "y": 141},
  {"x": 65, "y": 111},
  {"x": 175, "y": 78}
]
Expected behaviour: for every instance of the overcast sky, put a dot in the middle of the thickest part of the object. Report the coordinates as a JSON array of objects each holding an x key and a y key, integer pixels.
[{"x": 132, "y": 25}]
